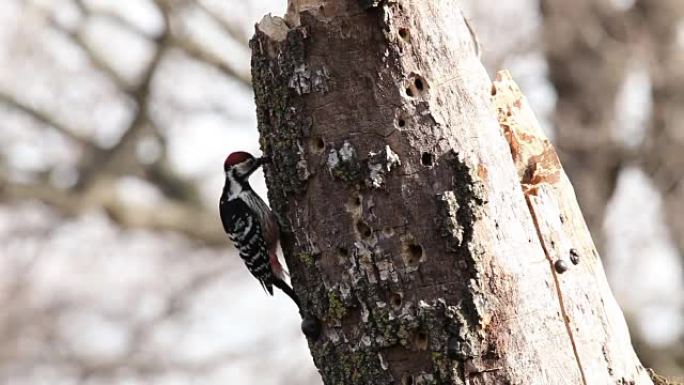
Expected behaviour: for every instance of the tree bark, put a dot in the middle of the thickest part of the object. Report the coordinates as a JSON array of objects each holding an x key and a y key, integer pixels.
[{"x": 405, "y": 226}]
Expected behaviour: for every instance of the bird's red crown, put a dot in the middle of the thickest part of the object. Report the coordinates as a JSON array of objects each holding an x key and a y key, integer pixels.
[{"x": 236, "y": 157}]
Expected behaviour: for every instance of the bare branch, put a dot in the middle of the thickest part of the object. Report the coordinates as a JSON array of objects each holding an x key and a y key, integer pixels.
[
  {"x": 193, "y": 50},
  {"x": 194, "y": 222},
  {"x": 96, "y": 60},
  {"x": 102, "y": 159},
  {"x": 43, "y": 118},
  {"x": 227, "y": 27},
  {"x": 114, "y": 17}
]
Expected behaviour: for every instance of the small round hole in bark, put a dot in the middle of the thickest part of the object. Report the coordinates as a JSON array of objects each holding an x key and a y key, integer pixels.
[
  {"x": 343, "y": 251},
  {"x": 388, "y": 232},
  {"x": 415, "y": 253},
  {"x": 493, "y": 90},
  {"x": 421, "y": 340},
  {"x": 396, "y": 299},
  {"x": 363, "y": 229},
  {"x": 404, "y": 34},
  {"x": 400, "y": 120},
  {"x": 317, "y": 145},
  {"x": 419, "y": 84},
  {"x": 416, "y": 86},
  {"x": 357, "y": 201},
  {"x": 427, "y": 159},
  {"x": 407, "y": 379}
]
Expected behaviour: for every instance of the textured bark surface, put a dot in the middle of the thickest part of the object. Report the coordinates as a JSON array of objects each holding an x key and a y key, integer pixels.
[{"x": 405, "y": 226}]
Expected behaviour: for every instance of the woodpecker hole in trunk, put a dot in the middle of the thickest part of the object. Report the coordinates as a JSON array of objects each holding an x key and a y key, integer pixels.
[
  {"x": 421, "y": 340},
  {"x": 416, "y": 86},
  {"x": 319, "y": 144},
  {"x": 400, "y": 121},
  {"x": 414, "y": 255},
  {"x": 404, "y": 34},
  {"x": 363, "y": 229},
  {"x": 427, "y": 159},
  {"x": 396, "y": 299}
]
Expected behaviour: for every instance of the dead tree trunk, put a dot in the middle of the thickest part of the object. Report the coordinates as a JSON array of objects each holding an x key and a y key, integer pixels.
[{"x": 405, "y": 226}]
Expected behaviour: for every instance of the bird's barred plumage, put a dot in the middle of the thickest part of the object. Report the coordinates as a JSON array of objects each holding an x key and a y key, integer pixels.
[
  {"x": 246, "y": 232},
  {"x": 251, "y": 224}
]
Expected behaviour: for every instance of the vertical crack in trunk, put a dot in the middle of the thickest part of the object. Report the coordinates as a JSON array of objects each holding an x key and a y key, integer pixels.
[{"x": 538, "y": 219}]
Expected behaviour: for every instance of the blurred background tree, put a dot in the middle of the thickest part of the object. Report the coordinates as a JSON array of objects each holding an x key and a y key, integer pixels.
[{"x": 115, "y": 118}]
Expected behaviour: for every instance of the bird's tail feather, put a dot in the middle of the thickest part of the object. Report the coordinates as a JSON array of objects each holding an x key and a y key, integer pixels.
[
  {"x": 280, "y": 284},
  {"x": 267, "y": 286}
]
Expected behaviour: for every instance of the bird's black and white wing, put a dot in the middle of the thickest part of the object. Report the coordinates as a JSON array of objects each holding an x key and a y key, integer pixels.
[{"x": 246, "y": 233}]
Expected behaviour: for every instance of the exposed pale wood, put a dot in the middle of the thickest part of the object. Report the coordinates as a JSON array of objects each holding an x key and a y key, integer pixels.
[
  {"x": 594, "y": 321},
  {"x": 405, "y": 226}
]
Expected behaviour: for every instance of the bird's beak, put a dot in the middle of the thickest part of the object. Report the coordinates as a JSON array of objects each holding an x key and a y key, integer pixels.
[
  {"x": 257, "y": 163},
  {"x": 265, "y": 159}
]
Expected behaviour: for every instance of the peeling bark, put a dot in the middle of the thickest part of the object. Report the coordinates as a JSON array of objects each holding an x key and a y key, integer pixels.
[{"x": 405, "y": 226}]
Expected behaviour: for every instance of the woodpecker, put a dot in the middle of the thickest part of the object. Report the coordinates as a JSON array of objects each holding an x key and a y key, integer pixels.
[{"x": 251, "y": 225}]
